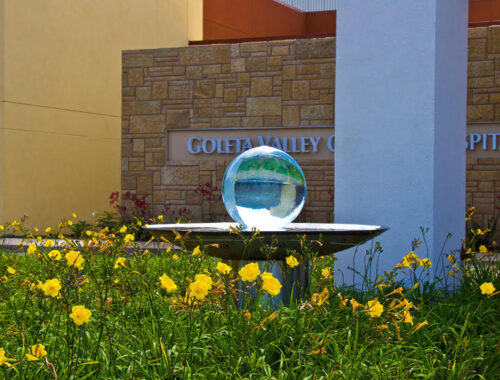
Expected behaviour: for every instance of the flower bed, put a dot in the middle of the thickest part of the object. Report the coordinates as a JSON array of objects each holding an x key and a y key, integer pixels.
[{"x": 96, "y": 310}]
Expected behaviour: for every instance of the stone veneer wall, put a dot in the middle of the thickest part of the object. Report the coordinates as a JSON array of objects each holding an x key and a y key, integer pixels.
[
  {"x": 483, "y": 98},
  {"x": 259, "y": 84},
  {"x": 278, "y": 83}
]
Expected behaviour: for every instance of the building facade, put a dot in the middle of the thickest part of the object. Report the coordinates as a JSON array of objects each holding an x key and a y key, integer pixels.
[
  {"x": 255, "y": 87},
  {"x": 60, "y": 97}
]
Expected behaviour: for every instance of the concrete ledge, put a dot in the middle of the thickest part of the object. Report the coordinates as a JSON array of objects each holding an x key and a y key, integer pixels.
[{"x": 14, "y": 244}]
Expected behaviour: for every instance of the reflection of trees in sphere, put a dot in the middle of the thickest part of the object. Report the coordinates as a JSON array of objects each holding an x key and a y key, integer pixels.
[{"x": 264, "y": 188}]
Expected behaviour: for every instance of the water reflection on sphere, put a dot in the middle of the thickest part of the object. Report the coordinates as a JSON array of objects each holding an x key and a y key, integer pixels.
[{"x": 264, "y": 188}]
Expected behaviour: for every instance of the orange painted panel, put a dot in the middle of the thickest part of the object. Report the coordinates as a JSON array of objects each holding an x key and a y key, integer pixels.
[
  {"x": 484, "y": 11},
  {"x": 321, "y": 22},
  {"x": 255, "y": 18},
  {"x": 239, "y": 19}
]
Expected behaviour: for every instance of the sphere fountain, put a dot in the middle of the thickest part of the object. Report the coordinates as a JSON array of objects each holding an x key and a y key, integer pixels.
[{"x": 264, "y": 189}]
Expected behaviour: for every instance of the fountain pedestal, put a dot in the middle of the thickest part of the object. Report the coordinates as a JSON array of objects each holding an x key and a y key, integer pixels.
[{"x": 220, "y": 241}]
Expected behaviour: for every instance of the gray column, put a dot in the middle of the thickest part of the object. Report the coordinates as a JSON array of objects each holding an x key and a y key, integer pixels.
[{"x": 400, "y": 114}]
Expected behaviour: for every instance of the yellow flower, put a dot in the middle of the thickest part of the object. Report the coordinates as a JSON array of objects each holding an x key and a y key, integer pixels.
[
  {"x": 487, "y": 288},
  {"x": 120, "y": 262},
  {"x": 249, "y": 272},
  {"x": 426, "y": 263},
  {"x": 196, "y": 251},
  {"x": 343, "y": 301},
  {"x": 36, "y": 352},
  {"x": 205, "y": 279},
  {"x": 319, "y": 351},
  {"x": 1, "y": 227},
  {"x": 160, "y": 217},
  {"x": 73, "y": 215},
  {"x": 291, "y": 261},
  {"x": 396, "y": 291},
  {"x": 82, "y": 281},
  {"x": 31, "y": 249},
  {"x": 270, "y": 284},
  {"x": 69, "y": 222},
  {"x": 167, "y": 283},
  {"x": 483, "y": 249},
  {"x": 88, "y": 233},
  {"x": 3, "y": 359},
  {"x": 129, "y": 238},
  {"x": 80, "y": 315},
  {"x": 374, "y": 308},
  {"x": 355, "y": 304},
  {"x": 320, "y": 298},
  {"x": 11, "y": 270},
  {"x": 198, "y": 289},
  {"x": 47, "y": 230},
  {"x": 325, "y": 272},
  {"x": 408, "y": 318},
  {"x": 123, "y": 229},
  {"x": 55, "y": 254},
  {"x": 175, "y": 257},
  {"x": 405, "y": 263},
  {"x": 52, "y": 287},
  {"x": 74, "y": 259},
  {"x": 420, "y": 325},
  {"x": 223, "y": 268}
]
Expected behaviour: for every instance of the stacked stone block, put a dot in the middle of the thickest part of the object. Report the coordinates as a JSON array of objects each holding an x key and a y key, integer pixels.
[
  {"x": 483, "y": 98},
  {"x": 258, "y": 84}
]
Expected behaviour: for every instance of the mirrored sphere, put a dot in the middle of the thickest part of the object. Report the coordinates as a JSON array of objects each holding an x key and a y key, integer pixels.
[{"x": 264, "y": 188}]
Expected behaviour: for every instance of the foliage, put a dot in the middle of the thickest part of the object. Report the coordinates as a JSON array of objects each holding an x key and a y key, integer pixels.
[
  {"x": 212, "y": 197},
  {"x": 478, "y": 235},
  {"x": 108, "y": 308}
]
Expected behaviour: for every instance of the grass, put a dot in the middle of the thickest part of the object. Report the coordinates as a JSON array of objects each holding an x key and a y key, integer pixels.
[{"x": 139, "y": 330}]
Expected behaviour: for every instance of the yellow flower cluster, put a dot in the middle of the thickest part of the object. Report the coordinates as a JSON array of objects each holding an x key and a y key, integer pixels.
[
  {"x": 74, "y": 259},
  {"x": 291, "y": 261},
  {"x": 51, "y": 287},
  {"x": 36, "y": 352},
  {"x": 55, "y": 254},
  {"x": 249, "y": 272},
  {"x": 487, "y": 288},
  {"x": 270, "y": 284},
  {"x": 80, "y": 315},
  {"x": 3, "y": 359},
  {"x": 167, "y": 283},
  {"x": 223, "y": 268},
  {"x": 374, "y": 308},
  {"x": 326, "y": 273},
  {"x": 198, "y": 290},
  {"x": 412, "y": 261},
  {"x": 120, "y": 263},
  {"x": 319, "y": 299}
]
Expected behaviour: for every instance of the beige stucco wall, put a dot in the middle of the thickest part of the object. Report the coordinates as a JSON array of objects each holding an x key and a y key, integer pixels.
[{"x": 60, "y": 97}]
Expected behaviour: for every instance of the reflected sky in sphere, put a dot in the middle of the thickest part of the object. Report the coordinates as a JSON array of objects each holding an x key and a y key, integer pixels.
[{"x": 264, "y": 188}]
